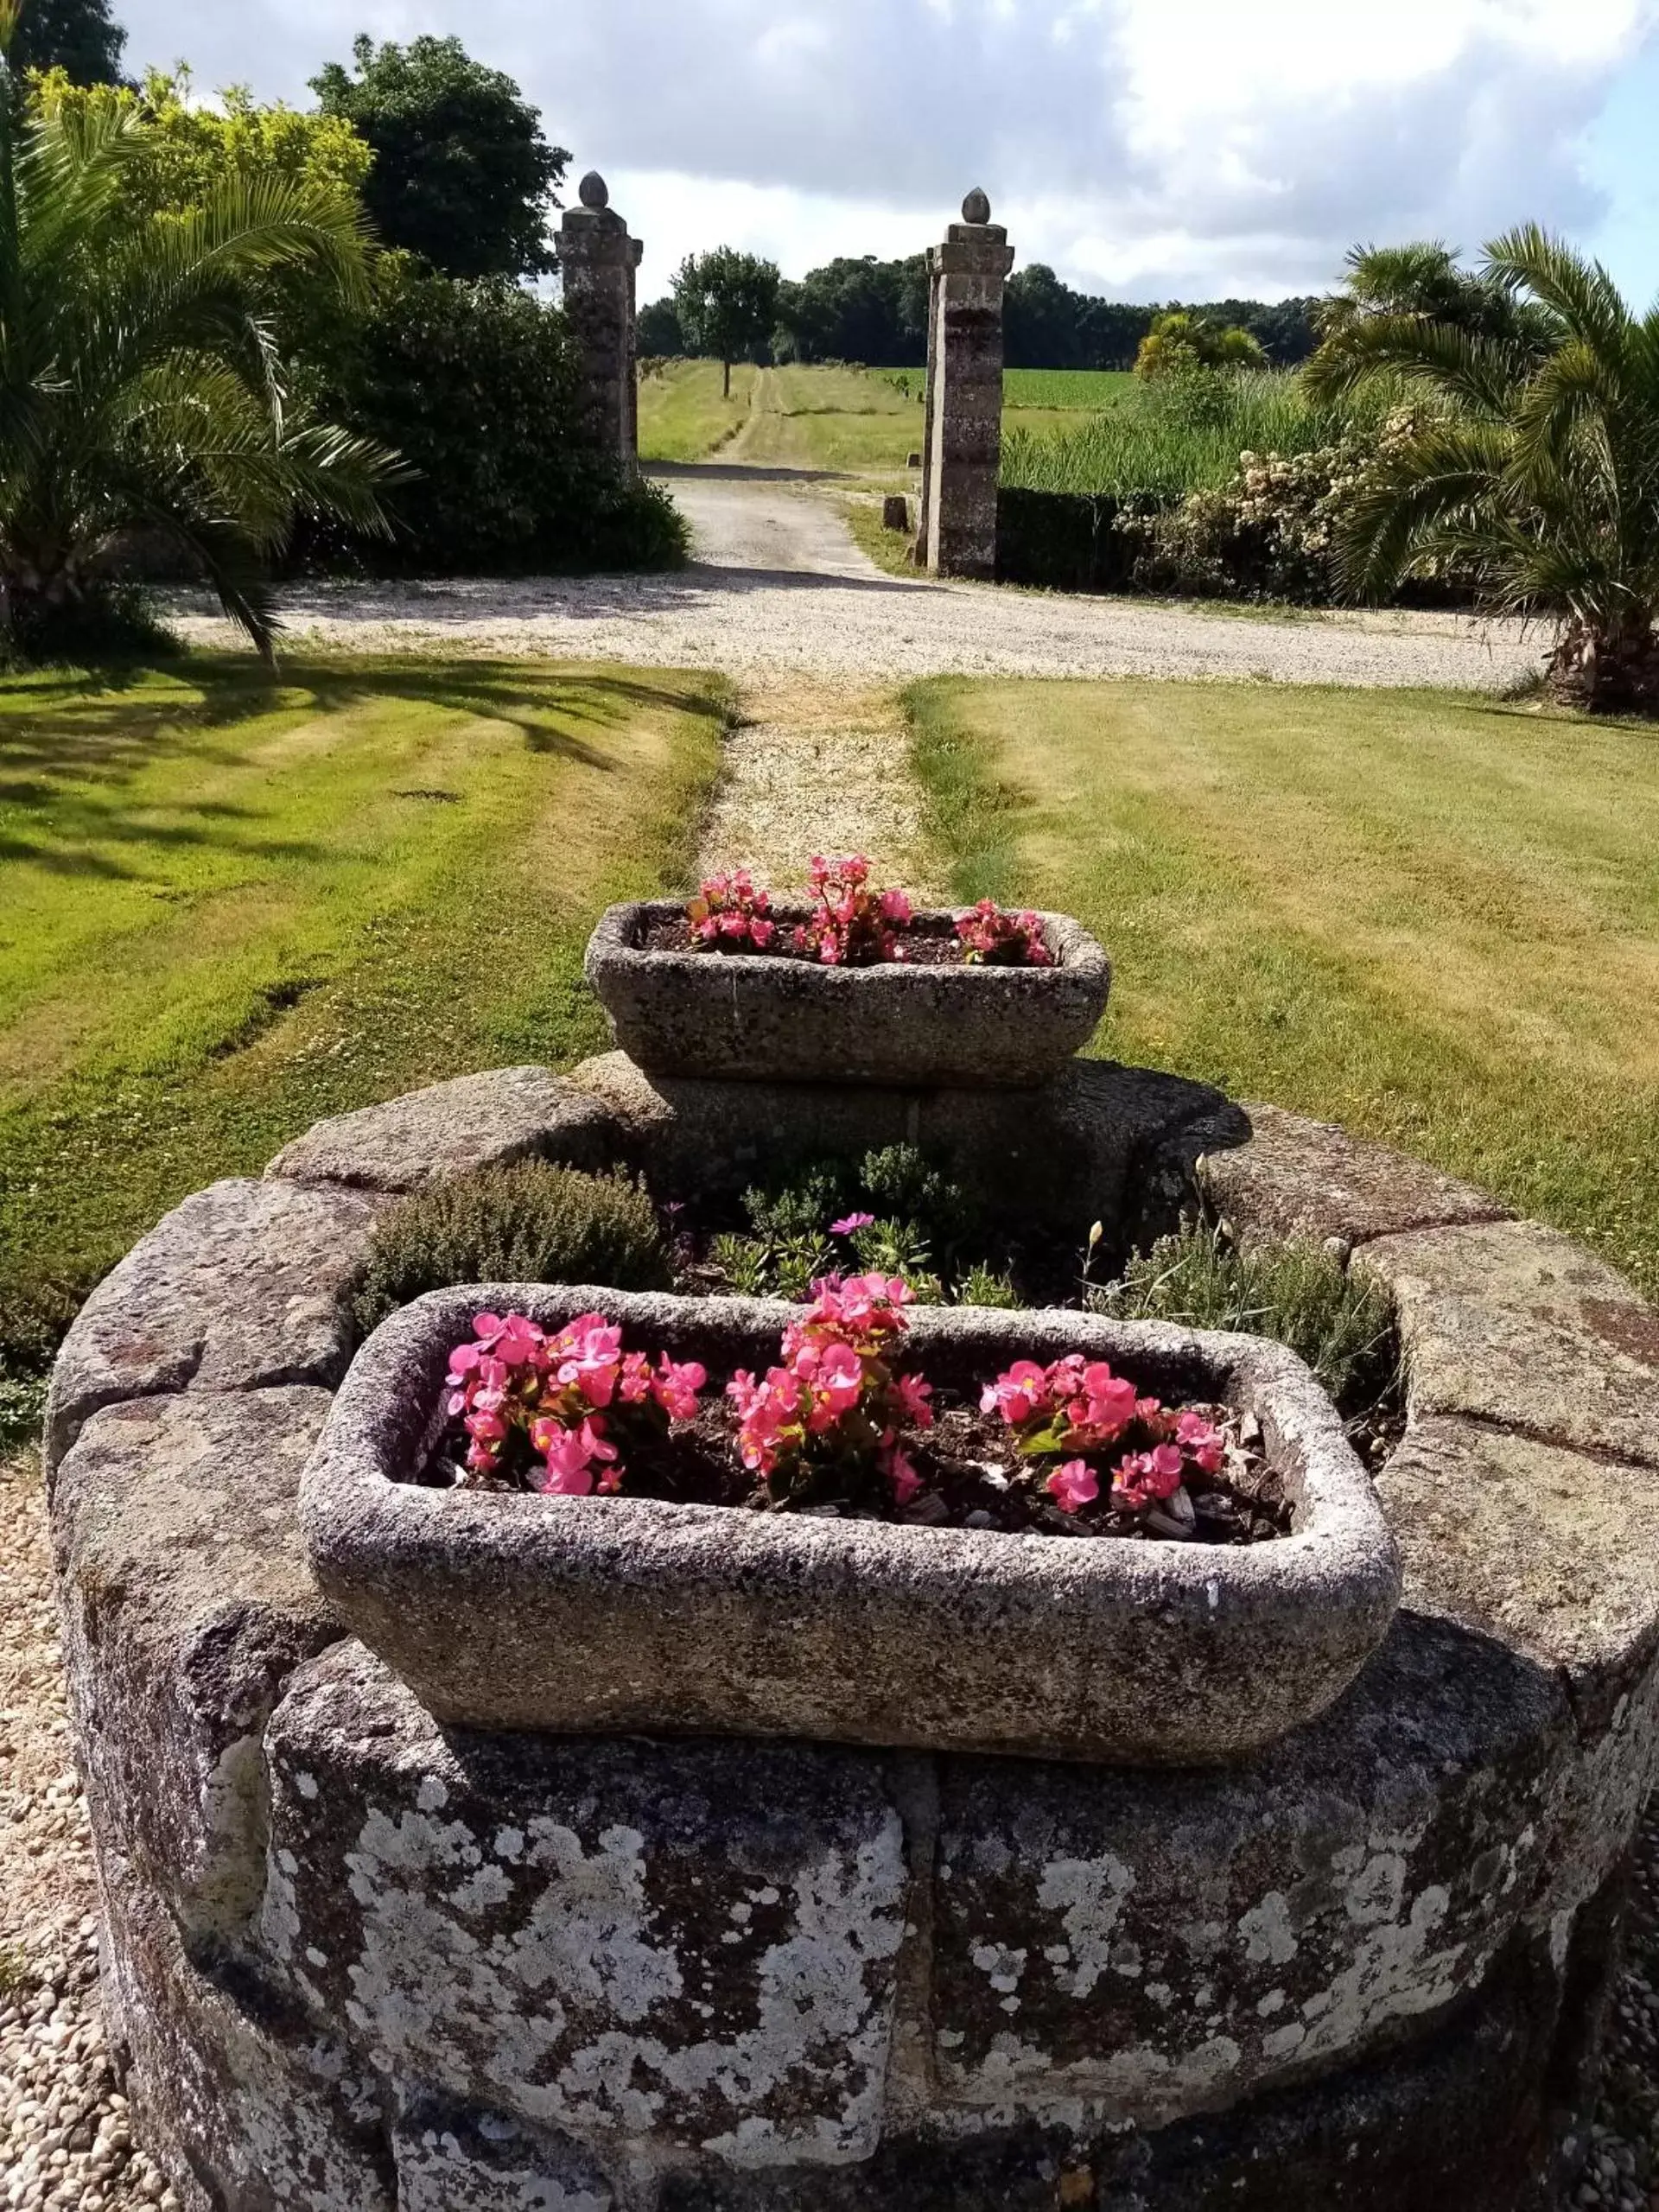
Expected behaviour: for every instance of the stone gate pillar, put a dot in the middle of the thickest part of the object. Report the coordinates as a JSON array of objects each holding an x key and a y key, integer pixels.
[
  {"x": 963, "y": 448},
  {"x": 598, "y": 260}
]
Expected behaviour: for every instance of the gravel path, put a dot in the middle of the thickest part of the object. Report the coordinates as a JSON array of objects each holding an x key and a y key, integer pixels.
[
  {"x": 815, "y": 766},
  {"x": 778, "y": 584},
  {"x": 63, "y": 2121}
]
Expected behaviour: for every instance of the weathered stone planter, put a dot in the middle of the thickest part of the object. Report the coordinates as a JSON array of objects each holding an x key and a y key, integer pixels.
[
  {"x": 363, "y": 1961},
  {"x": 742, "y": 1017},
  {"x": 615, "y": 1615}
]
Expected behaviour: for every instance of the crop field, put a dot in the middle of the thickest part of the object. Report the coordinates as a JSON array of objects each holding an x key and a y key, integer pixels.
[{"x": 1067, "y": 391}]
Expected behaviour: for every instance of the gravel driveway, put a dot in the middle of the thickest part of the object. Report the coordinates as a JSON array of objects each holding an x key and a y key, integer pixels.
[{"x": 779, "y": 585}]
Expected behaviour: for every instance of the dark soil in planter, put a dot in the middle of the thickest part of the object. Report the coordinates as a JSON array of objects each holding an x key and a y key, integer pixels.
[
  {"x": 927, "y": 945},
  {"x": 972, "y": 1477}
]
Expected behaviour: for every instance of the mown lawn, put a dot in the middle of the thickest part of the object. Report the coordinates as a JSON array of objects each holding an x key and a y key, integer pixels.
[
  {"x": 1433, "y": 917},
  {"x": 228, "y": 905},
  {"x": 683, "y": 413},
  {"x": 866, "y": 422}
]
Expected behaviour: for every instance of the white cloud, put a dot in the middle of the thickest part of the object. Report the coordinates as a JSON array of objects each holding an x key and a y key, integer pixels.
[{"x": 1149, "y": 146}]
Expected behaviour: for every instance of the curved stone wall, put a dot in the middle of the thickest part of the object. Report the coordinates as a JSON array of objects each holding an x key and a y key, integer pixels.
[{"x": 363, "y": 1965}]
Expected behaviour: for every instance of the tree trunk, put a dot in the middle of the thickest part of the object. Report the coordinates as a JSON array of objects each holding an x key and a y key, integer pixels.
[
  {"x": 1607, "y": 671},
  {"x": 727, "y": 393}
]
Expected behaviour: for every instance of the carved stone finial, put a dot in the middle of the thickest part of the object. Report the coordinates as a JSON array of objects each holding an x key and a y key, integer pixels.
[
  {"x": 593, "y": 190},
  {"x": 976, "y": 208}
]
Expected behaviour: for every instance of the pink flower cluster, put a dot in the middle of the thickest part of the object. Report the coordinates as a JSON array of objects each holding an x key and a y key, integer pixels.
[
  {"x": 731, "y": 915},
  {"x": 851, "y": 926},
  {"x": 992, "y": 939},
  {"x": 834, "y": 1395},
  {"x": 1078, "y": 1405},
  {"x": 577, "y": 1398}
]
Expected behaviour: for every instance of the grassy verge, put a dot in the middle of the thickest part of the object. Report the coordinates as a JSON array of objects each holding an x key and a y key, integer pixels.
[
  {"x": 857, "y": 420},
  {"x": 888, "y": 549},
  {"x": 1433, "y": 917},
  {"x": 684, "y": 415},
  {"x": 231, "y": 905}
]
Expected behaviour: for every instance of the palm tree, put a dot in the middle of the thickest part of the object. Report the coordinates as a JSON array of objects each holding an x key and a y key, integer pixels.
[
  {"x": 140, "y": 387},
  {"x": 1535, "y": 469}
]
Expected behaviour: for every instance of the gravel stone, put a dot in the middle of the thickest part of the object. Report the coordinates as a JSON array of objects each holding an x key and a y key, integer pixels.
[{"x": 806, "y": 600}]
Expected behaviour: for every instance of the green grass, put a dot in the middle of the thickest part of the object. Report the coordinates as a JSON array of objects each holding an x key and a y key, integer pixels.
[
  {"x": 1167, "y": 444},
  {"x": 863, "y": 421},
  {"x": 229, "y": 905},
  {"x": 1067, "y": 391},
  {"x": 1431, "y": 917},
  {"x": 682, "y": 415},
  {"x": 857, "y": 420}
]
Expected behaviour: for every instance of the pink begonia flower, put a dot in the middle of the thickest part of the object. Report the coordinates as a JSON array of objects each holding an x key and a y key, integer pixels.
[
  {"x": 840, "y": 1376},
  {"x": 676, "y": 1386},
  {"x": 850, "y": 1222},
  {"x": 1111, "y": 1401},
  {"x": 901, "y": 1473},
  {"x": 1073, "y": 1486},
  {"x": 1019, "y": 1395},
  {"x": 895, "y": 906},
  {"x": 915, "y": 1396},
  {"x": 762, "y": 932},
  {"x": 1205, "y": 1445},
  {"x": 634, "y": 1384}
]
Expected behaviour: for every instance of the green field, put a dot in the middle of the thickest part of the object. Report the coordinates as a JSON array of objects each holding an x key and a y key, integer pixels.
[
  {"x": 229, "y": 905},
  {"x": 1431, "y": 917},
  {"x": 862, "y": 421},
  {"x": 683, "y": 413},
  {"x": 1072, "y": 391}
]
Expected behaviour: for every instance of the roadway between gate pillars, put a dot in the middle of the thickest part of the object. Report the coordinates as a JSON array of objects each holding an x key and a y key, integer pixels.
[
  {"x": 963, "y": 443},
  {"x": 599, "y": 262}
]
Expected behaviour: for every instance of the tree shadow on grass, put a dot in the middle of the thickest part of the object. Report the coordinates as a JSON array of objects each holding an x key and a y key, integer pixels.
[{"x": 106, "y": 729}]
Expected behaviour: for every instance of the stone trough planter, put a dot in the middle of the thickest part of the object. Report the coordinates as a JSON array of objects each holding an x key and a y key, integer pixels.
[
  {"x": 617, "y": 1615},
  {"x": 745, "y": 1017}
]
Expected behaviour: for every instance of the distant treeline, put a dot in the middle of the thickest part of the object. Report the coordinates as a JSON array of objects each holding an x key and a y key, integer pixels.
[{"x": 876, "y": 311}]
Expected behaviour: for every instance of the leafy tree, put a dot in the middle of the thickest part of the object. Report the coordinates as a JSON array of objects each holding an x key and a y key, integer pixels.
[
  {"x": 186, "y": 147},
  {"x": 480, "y": 386},
  {"x": 858, "y": 310},
  {"x": 463, "y": 173},
  {"x": 78, "y": 36},
  {"x": 658, "y": 332},
  {"x": 727, "y": 304},
  {"x": 1537, "y": 468},
  {"x": 139, "y": 386},
  {"x": 1183, "y": 340}
]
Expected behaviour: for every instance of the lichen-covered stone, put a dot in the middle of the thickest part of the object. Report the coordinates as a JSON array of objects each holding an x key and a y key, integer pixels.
[
  {"x": 688, "y": 1946},
  {"x": 1069, "y": 1155},
  {"x": 748, "y": 1018},
  {"x": 450, "y": 2159},
  {"x": 245, "y": 2105},
  {"x": 1544, "y": 1549},
  {"x": 1470, "y": 2116},
  {"x": 1515, "y": 1324},
  {"x": 1163, "y": 1944},
  {"x": 1275, "y": 1177},
  {"x": 187, "y": 1602},
  {"x": 238, "y": 1289},
  {"x": 450, "y": 1129},
  {"x": 611, "y": 1614}
]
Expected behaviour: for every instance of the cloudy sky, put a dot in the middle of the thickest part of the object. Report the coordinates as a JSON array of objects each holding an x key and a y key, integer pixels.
[{"x": 1147, "y": 149}]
